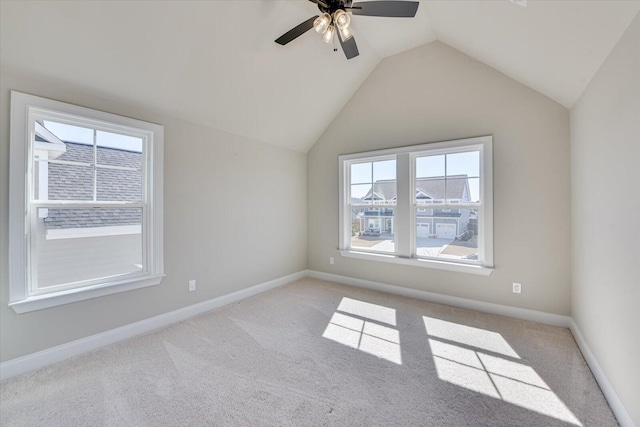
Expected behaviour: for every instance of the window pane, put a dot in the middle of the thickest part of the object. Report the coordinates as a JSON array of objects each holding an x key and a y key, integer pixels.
[
  {"x": 457, "y": 189},
  {"x": 119, "y": 150},
  {"x": 53, "y": 181},
  {"x": 119, "y": 185},
  {"x": 77, "y": 153},
  {"x": 462, "y": 168},
  {"x": 430, "y": 166},
  {"x": 361, "y": 193},
  {"x": 385, "y": 192},
  {"x": 75, "y": 245},
  {"x": 361, "y": 173},
  {"x": 464, "y": 164},
  {"x": 474, "y": 190},
  {"x": 451, "y": 234},
  {"x": 373, "y": 229},
  {"x": 68, "y": 133},
  {"x": 384, "y": 170},
  {"x": 430, "y": 190}
]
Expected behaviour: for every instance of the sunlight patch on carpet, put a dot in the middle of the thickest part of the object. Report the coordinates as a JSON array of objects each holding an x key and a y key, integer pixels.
[
  {"x": 475, "y": 337},
  {"x": 365, "y": 332},
  {"x": 460, "y": 359},
  {"x": 367, "y": 310}
]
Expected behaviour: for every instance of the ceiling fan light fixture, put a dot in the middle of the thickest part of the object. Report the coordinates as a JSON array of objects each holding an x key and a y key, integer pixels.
[
  {"x": 322, "y": 23},
  {"x": 345, "y": 33},
  {"x": 327, "y": 37},
  {"x": 335, "y": 16},
  {"x": 341, "y": 18}
]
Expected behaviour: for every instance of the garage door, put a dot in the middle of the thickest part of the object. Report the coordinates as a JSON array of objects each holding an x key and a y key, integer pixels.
[
  {"x": 446, "y": 231},
  {"x": 423, "y": 230}
]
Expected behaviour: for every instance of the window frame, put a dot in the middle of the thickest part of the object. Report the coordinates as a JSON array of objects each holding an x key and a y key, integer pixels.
[
  {"x": 406, "y": 207},
  {"x": 24, "y": 111}
]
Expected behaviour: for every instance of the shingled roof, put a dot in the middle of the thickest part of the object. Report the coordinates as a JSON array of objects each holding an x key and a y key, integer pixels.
[
  {"x": 69, "y": 182},
  {"x": 433, "y": 187}
]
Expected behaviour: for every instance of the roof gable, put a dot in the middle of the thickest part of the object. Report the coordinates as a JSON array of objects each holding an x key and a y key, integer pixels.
[{"x": 432, "y": 188}]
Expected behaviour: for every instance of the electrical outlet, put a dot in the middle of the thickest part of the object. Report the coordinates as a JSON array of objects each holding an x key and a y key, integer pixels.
[
  {"x": 192, "y": 285},
  {"x": 331, "y": 260},
  {"x": 517, "y": 288}
]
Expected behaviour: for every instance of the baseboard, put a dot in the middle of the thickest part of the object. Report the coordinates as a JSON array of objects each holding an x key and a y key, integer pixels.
[
  {"x": 624, "y": 419},
  {"x": 485, "y": 307},
  {"x": 61, "y": 352}
]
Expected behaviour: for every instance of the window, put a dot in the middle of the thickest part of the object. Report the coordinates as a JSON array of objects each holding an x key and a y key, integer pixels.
[
  {"x": 388, "y": 206},
  {"x": 372, "y": 188},
  {"x": 85, "y": 203}
]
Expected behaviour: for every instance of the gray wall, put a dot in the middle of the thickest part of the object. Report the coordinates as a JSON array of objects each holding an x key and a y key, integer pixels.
[
  {"x": 235, "y": 216},
  {"x": 434, "y": 93},
  {"x": 605, "y": 180}
]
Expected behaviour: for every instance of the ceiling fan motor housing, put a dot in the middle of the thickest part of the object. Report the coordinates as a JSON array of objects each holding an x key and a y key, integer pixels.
[{"x": 330, "y": 6}]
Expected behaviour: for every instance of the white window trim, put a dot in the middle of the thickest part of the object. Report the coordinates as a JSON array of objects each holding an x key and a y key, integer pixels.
[
  {"x": 405, "y": 157},
  {"x": 418, "y": 262},
  {"x": 22, "y": 106}
]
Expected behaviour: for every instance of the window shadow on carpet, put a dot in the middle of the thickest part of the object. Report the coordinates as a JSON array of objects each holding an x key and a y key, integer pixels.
[
  {"x": 483, "y": 361},
  {"x": 473, "y": 358}
]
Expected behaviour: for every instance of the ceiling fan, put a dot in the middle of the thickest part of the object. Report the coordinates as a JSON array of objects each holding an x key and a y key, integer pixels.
[{"x": 335, "y": 18}]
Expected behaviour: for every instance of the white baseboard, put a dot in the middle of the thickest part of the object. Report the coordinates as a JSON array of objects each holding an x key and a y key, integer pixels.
[
  {"x": 624, "y": 419},
  {"x": 485, "y": 307},
  {"x": 61, "y": 352}
]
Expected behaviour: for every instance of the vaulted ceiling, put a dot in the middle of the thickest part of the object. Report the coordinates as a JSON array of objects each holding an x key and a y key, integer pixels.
[{"x": 215, "y": 62}]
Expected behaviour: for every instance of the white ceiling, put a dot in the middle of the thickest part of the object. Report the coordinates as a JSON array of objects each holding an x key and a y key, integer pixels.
[
  {"x": 554, "y": 47},
  {"x": 215, "y": 62}
]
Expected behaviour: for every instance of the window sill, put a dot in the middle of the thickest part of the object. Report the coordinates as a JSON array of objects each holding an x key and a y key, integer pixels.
[
  {"x": 40, "y": 302},
  {"x": 439, "y": 265}
]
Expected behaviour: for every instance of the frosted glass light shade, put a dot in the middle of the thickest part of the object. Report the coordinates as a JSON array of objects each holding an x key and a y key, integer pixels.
[
  {"x": 341, "y": 18},
  {"x": 322, "y": 22},
  {"x": 327, "y": 37}
]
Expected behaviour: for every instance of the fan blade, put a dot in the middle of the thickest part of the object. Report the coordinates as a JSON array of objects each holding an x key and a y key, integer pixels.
[
  {"x": 350, "y": 48},
  {"x": 296, "y": 32},
  {"x": 320, "y": 2},
  {"x": 393, "y": 9}
]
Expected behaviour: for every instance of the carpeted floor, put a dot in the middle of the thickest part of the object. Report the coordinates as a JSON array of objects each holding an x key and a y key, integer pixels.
[{"x": 320, "y": 353}]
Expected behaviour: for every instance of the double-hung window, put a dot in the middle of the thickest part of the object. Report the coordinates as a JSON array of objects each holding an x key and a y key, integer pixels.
[
  {"x": 429, "y": 205},
  {"x": 85, "y": 204}
]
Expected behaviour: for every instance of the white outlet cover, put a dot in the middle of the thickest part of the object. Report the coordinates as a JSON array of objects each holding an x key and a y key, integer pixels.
[
  {"x": 517, "y": 288},
  {"x": 331, "y": 260},
  {"x": 192, "y": 285}
]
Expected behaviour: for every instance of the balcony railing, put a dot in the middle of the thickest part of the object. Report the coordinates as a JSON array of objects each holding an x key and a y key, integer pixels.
[{"x": 374, "y": 202}]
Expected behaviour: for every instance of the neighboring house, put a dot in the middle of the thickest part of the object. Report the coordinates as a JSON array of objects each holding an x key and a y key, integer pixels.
[
  {"x": 111, "y": 235},
  {"x": 64, "y": 182},
  {"x": 430, "y": 220}
]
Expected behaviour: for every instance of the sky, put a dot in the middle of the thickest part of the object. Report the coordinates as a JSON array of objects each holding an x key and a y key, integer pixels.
[
  {"x": 468, "y": 163},
  {"x": 82, "y": 135}
]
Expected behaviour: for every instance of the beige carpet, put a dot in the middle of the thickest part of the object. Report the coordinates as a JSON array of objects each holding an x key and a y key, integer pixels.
[{"x": 319, "y": 353}]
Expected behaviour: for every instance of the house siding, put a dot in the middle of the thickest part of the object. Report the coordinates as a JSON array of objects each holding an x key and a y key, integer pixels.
[{"x": 62, "y": 261}]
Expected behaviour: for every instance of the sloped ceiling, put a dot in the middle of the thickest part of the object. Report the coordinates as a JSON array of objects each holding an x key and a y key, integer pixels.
[
  {"x": 554, "y": 47},
  {"x": 215, "y": 62}
]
